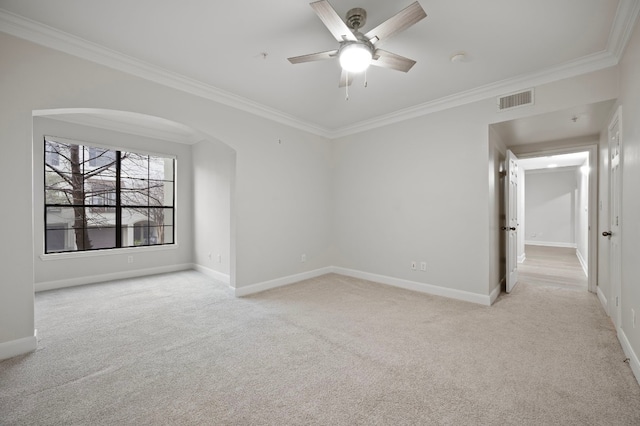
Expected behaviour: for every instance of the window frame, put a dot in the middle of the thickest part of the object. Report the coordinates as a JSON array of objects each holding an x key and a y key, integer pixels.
[{"x": 88, "y": 200}]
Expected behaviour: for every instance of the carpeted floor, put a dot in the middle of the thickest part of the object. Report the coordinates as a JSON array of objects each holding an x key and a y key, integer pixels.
[{"x": 180, "y": 349}]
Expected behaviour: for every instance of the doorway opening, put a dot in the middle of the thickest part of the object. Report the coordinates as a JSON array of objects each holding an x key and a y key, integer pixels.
[
  {"x": 573, "y": 130},
  {"x": 557, "y": 215}
]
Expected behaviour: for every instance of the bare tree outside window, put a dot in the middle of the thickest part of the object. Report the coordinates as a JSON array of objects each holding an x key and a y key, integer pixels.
[{"x": 97, "y": 198}]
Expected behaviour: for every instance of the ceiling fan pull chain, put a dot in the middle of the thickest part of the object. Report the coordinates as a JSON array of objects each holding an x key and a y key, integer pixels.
[
  {"x": 347, "y": 86},
  {"x": 365, "y": 79}
]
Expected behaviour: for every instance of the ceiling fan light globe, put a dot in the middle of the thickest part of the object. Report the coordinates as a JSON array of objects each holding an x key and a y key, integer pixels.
[{"x": 355, "y": 57}]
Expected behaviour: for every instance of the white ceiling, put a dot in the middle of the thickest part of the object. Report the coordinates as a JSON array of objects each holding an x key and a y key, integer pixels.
[{"x": 236, "y": 51}]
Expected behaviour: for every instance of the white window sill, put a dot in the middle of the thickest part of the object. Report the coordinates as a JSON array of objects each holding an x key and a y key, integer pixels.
[{"x": 106, "y": 252}]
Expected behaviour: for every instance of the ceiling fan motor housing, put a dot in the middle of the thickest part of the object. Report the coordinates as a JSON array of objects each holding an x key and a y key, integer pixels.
[
  {"x": 356, "y": 18},
  {"x": 362, "y": 40}
]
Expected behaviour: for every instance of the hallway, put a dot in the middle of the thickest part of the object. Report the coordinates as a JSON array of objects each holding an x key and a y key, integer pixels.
[{"x": 552, "y": 266}]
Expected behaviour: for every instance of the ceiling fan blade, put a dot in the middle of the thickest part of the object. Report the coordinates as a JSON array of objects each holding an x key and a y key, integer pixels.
[
  {"x": 345, "y": 79},
  {"x": 329, "y": 54},
  {"x": 399, "y": 22},
  {"x": 384, "y": 59},
  {"x": 332, "y": 21}
]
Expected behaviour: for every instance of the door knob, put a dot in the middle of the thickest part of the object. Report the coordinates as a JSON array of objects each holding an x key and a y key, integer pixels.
[{"x": 606, "y": 234}]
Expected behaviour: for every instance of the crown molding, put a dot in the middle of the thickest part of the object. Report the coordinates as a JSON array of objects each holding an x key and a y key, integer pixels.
[
  {"x": 622, "y": 27},
  {"x": 586, "y": 64},
  {"x": 47, "y": 36}
]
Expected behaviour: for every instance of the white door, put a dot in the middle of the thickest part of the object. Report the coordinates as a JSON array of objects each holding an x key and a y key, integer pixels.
[
  {"x": 511, "y": 224},
  {"x": 615, "y": 219}
]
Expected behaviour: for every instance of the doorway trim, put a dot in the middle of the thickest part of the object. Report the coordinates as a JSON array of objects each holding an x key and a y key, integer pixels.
[{"x": 592, "y": 148}]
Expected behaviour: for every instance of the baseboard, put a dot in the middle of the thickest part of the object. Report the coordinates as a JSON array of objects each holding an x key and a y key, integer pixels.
[
  {"x": 550, "y": 244},
  {"x": 522, "y": 258},
  {"x": 92, "y": 279},
  {"x": 279, "y": 282},
  {"x": 218, "y": 276},
  {"x": 634, "y": 362},
  {"x": 603, "y": 300},
  {"x": 493, "y": 296},
  {"x": 416, "y": 286},
  {"x": 19, "y": 346},
  {"x": 583, "y": 263},
  {"x": 466, "y": 296}
]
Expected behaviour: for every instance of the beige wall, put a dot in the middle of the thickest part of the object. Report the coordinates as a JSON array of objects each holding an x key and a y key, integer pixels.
[
  {"x": 281, "y": 189},
  {"x": 374, "y": 201},
  {"x": 213, "y": 191}
]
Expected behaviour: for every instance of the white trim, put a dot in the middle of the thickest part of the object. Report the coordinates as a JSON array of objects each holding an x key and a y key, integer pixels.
[
  {"x": 92, "y": 279},
  {"x": 44, "y": 35},
  {"x": 634, "y": 362},
  {"x": 466, "y": 296},
  {"x": 603, "y": 300},
  {"x": 584, "y": 65},
  {"x": 522, "y": 258},
  {"x": 583, "y": 263},
  {"x": 593, "y": 149},
  {"x": 280, "y": 282},
  {"x": 19, "y": 346},
  {"x": 218, "y": 276},
  {"x": 550, "y": 244},
  {"x": 622, "y": 27},
  {"x": 416, "y": 286},
  {"x": 123, "y": 251},
  {"x": 493, "y": 296}
]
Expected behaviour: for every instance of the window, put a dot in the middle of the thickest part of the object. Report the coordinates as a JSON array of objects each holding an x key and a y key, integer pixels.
[
  {"x": 97, "y": 198},
  {"x": 52, "y": 158},
  {"x": 101, "y": 157}
]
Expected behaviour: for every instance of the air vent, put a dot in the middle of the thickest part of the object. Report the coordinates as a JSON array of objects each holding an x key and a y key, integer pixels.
[{"x": 515, "y": 100}]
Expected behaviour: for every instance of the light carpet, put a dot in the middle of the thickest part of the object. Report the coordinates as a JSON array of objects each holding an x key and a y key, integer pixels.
[{"x": 180, "y": 349}]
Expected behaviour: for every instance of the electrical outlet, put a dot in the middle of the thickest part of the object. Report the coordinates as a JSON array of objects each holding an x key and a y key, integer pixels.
[
  {"x": 423, "y": 266},
  {"x": 219, "y": 258},
  {"x": 413, "y": 265},
  {"x": 303, "y": 258},
  {"x": 130, "y": 259}
]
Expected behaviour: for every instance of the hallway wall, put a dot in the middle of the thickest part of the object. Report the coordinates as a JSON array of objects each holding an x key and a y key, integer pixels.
[{"x": 550, "y": 207}]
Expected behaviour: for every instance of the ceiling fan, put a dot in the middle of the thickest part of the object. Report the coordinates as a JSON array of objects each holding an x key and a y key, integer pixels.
[{"x": 357, "y": 51}]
